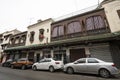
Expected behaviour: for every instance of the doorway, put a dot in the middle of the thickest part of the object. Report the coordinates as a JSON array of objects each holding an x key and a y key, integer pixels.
[{"x": 77, "y": 54}]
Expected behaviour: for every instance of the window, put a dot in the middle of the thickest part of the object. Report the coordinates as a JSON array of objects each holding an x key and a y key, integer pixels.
[
  {"x": 54, "y": 33},
  {"x": 61, "y": 30},
  {"x": 47, "y": 30},
  {"x": 58, "y": 31},
  {"x": 43, "y": 60},
  {"x": 48, "y": 60},
  {"x": 12, "y": 41},
  {"x": 81, "y": 61},
  {"x": 74, "y": 27},
  {"x": 32, "y": 36},
  {"x": 17, "y": 40},
  {"x": 94, "y": 22},
  {"x": 118, "y": 11},
  {"x": 41, "y": 34},
  {"x": 92, "y": 61}
]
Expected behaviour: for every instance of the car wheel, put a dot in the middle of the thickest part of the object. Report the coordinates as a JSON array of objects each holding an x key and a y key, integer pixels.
[
  {"x": 104, "y": 73},
  {"x": 12, "y": 66},
  {"x": 23, "y": 67},
  {"x": 51, "y": 69},
  {"x": 70, "y": 70},
  {"x": 34, "y": 68}
]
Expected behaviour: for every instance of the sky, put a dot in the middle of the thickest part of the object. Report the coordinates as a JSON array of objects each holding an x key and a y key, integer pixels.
[{"x": 19, "y": 14}]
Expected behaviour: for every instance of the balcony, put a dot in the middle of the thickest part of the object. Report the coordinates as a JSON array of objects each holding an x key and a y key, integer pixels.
[
  {"x": 15, "y": 45},
  {"x": 82, "y": 34},
  {"x": 86, "y": 24}
]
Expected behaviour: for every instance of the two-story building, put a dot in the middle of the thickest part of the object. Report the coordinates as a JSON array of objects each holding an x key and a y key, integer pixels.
[
  {"x": 39, "y": 34},
  {"x": 35, "y": 45},
  {"x": 16, "y": 41},
  {"x": 5, "y": 41},
  {"x": 95, "y": 33}
]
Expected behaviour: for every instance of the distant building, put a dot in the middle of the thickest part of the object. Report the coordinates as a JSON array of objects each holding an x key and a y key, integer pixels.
[
  {"x": 37, "y": 34},
  {"x": 1, "y": 40},
  {"x": 5, "y": 38},
  {"x": 17, "y": 40}
]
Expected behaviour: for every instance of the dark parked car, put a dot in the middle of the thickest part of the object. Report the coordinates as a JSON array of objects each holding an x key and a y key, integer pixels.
[
  {"x": 7, "y": 63},
  {"x": 22, "y": 63}
]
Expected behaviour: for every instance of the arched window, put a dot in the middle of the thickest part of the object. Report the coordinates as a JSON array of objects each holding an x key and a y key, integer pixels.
[
  {"x": 74, "y": 27},
  {"x": 94, "y": 22},
  {"x": 58, "y": 31},
  {"x": 54, "y": 32},
  {"x": 61, "y": 30}
]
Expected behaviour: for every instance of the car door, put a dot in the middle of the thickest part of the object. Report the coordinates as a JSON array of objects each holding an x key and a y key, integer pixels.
[
  {"x": 46, "y": 64},
  {"x": 40, "y": 64},
  {"x": 80, "y": 65},
  {"x": 21, "y": 62},
  {"x": 17, "y": 63},
  {"x": 92, "y": 65}
]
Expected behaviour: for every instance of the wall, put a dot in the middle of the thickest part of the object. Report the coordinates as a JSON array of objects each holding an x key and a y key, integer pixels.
[
  {"x": 46, "y": 24},
  {"x": 112, "y": 16}
]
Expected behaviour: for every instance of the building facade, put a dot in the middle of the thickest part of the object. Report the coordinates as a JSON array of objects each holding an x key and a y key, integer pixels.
[
  {"x": 95, "y": 33},
  {"x": 34, "y": 44},
  {"x": 39, "y": 34},
  {"x": 17, "y": 40},
  {"x": 5, "y": 38}
]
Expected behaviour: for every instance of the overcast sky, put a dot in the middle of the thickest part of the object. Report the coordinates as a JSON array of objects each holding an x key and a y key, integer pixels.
[{"x": 18, "y": 14}]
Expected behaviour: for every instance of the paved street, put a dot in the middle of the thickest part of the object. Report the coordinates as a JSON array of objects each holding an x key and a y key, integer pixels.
[{"x": 17, "y": 74}]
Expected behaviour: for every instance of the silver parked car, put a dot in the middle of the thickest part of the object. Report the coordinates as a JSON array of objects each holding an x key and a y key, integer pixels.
[{"x": 93, "y": 66}]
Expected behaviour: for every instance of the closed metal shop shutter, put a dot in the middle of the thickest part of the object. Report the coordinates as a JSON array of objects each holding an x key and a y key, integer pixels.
[{"x": 101, "y": 52}]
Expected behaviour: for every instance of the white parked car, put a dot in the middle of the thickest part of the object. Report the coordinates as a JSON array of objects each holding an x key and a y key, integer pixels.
[
  {"x": 48, "y": 64},
  {"x": 92, "y": 66}
]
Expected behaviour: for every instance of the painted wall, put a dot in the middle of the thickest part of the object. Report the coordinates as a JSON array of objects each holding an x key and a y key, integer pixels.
[
  {"x": 46, "y": 24},
  {"x": 112, "y": 16}
]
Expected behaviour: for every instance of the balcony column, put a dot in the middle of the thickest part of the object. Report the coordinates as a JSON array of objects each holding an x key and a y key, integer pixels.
[
  {"x": 52, "y": 53},
  {"x": 87, "y": 52},
  {"x": 68, "y": 55}
]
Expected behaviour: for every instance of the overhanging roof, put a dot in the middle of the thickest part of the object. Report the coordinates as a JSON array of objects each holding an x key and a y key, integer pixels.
[{"x": 106, "y": 36}]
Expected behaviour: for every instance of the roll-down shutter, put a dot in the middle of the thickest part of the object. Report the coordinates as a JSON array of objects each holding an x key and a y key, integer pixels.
[{"x": 101, "y": 52}]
